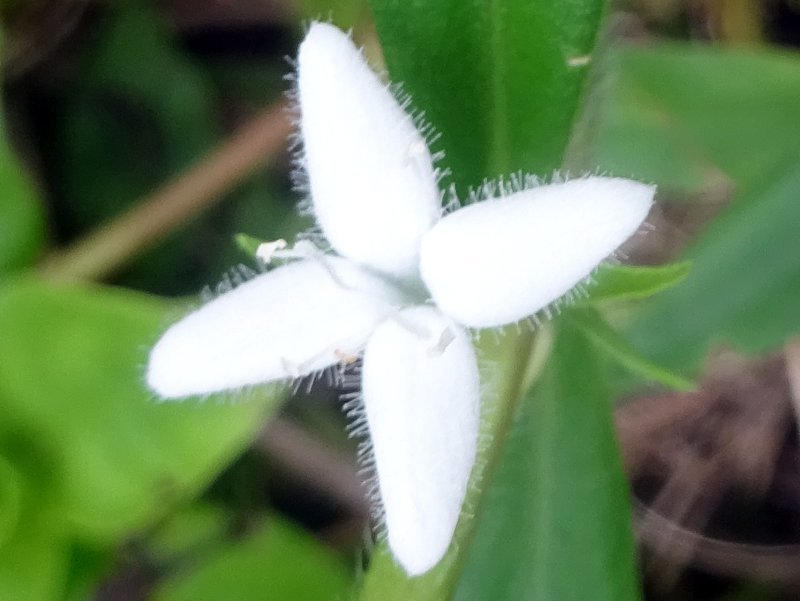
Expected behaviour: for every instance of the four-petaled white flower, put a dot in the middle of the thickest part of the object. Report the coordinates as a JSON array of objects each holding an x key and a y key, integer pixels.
[{"x": 405, "y": 284}]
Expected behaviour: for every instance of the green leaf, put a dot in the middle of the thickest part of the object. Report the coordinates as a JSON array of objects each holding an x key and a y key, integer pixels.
[
  {"x": 34, "y": 552},
  {"x": 140, "y": 113},
  {"x": 76, "y": 419},
  {"x": 89, "y": 565},
  {"x": 629, "y": 282},
  {"x": 21, "y": 218},
  {"x": 247, "y": 244},
  {"x": 10, "y": 499},
  {"x": 277, "y": 562},
  {"x": 33, "y": 564},
  {"x": 677, "y": 110},
  {"x": 194, "y": 531},
  {"x": 678, "y": 118},
  {"x": 744, "y": 287},
  {"x": 501, "y": 81},
  {"x": 557, "y": 522},
  {"x": 597, "y": 331}
]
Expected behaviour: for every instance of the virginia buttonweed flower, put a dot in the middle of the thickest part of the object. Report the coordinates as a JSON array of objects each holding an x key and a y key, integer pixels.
[{"x": 401, "y": 286}]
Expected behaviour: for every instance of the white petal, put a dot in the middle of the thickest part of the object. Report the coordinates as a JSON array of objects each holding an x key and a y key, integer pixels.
[
  {"x": 370, "y": 173},
  {"x": 294, "y": 320},
  {"x": 421, "y": 396},
  {"x": 497, "y": 261}
]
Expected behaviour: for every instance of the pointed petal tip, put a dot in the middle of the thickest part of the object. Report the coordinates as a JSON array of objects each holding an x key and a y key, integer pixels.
[
  {"x": 322, "y": 40},
  {"x": 635, "y": 198}
]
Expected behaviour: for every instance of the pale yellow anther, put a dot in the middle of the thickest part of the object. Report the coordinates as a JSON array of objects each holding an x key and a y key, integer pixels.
[{"x": 344, "y": 357}]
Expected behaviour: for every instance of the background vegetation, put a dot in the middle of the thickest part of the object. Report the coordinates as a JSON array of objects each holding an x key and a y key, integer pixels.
[{"x": 139, "y": 137}]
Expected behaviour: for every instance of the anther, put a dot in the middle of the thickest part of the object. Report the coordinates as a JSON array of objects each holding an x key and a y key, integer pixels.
[
  {"x": 270, "y": 251},
  {"x": 344, "y": 357}
]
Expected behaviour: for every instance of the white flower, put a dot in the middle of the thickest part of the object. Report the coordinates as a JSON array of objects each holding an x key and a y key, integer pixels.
[{"x": 373, "y": 189}]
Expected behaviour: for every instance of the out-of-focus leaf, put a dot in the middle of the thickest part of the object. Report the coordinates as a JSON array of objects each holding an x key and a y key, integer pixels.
[
  {"x": 33, "y": 565},
  {"x": 631, "y": 282},
  {"x": 597, "y": 331},
  {"x": 277, "y": 562},
  {"x": 744, "y": 286},
  {"x": 21, "y": 223},
  {"x": 21, "y": 219},
  {"x": 76, "y": 419},
  {"x": 193, "y": 531},
  {"x": 248, "y": 244},
  {"x": 142, "y": 113},
  {"x": 678, "y": 117},
  {"x": 501, "y": 81},
  {"x": 33, "y": 561},
  {"x": 88, "y": 566},
  {"x": 557, "y": 522},
  {"x": 678, "y": 110},
  {"x": 139, "y": 112},
  {"x": 343, "y": 13},
  {"x": 10, "y": 500}
]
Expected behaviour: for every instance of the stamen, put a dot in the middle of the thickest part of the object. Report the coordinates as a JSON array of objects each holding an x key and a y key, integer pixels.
[
  {"x": 445, "y": 338},
  {"x": 270, "y": 251}
]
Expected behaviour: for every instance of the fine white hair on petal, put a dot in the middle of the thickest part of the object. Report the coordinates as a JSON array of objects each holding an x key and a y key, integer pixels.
[
  {"x": 370, "y": 174},
  {"x": 421, "y": 396},
  {"x": 286, "y": 323},
  {"x": 500, "y": 260}
]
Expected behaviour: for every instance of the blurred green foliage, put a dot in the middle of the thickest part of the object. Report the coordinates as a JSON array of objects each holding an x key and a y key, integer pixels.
[
  {"x": 695, "y": 119},
  {"x": 22, "y": 223},
  {"x": 559, "y": 492},
  {"x": 141, "y": 112},
  {"x": 89, "y": 451},
  {"x": 90, "y": 462},
  {"x": 501, "y": 82},
  {"x": 278, "y": 561}
]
